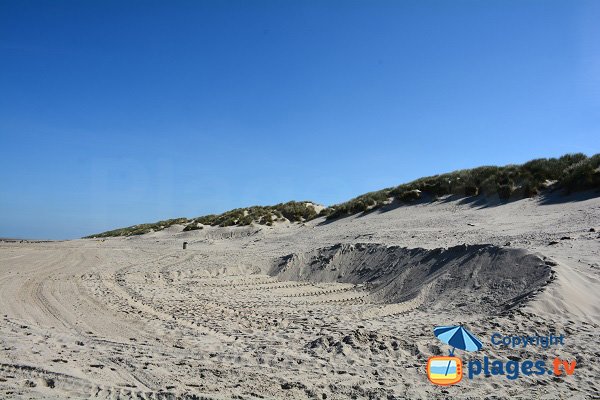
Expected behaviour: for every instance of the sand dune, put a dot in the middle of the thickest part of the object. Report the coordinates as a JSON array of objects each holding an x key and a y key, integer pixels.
[{"x": 324, "y": 310}]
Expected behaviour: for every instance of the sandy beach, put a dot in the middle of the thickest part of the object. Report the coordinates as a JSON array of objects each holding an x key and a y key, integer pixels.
[
  {"x": 320, "y": 310},
  {"x": 289, "y": 200}
]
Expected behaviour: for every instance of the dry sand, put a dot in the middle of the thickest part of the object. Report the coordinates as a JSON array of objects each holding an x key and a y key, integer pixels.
[{"x": 319, "y": 310}]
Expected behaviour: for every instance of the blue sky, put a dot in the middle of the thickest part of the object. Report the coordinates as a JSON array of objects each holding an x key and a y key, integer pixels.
[{"x": 114, "y": 113}]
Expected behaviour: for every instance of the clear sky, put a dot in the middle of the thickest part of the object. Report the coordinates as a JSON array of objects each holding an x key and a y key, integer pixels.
[{"x": 114, "y": 113}]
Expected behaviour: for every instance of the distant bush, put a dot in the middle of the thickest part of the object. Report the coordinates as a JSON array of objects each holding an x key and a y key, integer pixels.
[
  {"x": 365, "y": 202},
  {"x": 296, "y": 211},
  {"x": 206, "y": 220},
  {"x": 504, "y": 191},
  {"x": 410, "y": 195},
  {"x": 471, "y": 190},
  {"x": 583, "y": 175},
  {"x": 192, "y": 227}
]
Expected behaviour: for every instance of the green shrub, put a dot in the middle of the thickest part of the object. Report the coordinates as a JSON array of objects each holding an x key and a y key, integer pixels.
[
  {"x": 582, "y": 175},
  {"x": 192, "y": 227},
  {"x": 471, "y": 190},
  {"x": 410, "y": 195},
  {"x": 295, "y": 211},
  {"x": 504, "y": 191},
  {"x": 489, "y": 186}
]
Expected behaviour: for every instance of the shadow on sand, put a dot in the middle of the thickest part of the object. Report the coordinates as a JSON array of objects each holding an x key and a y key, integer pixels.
[{"x": 547, "y": 198}]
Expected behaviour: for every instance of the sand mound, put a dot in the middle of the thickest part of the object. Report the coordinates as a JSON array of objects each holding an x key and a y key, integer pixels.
[{"x": 472, "y": 278}]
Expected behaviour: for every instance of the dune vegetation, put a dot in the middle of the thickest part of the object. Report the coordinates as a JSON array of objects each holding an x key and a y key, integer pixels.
[
  {"x": 569, "y": 173},
  {"x": 293, "y": 211},
  {"x": 140, "y": 229}
]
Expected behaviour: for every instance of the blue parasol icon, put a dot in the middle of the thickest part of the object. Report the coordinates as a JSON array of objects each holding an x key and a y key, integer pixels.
[{"x": 457, "y": 337}]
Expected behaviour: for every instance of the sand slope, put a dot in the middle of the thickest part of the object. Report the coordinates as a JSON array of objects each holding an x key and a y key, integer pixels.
[{"x": 324, "y": 310}]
